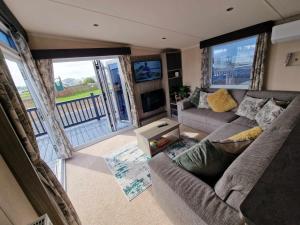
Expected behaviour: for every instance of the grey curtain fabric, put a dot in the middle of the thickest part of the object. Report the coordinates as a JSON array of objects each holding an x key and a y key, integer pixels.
[
  {"x": 13, "y": 106},
  {"x": 42, "y": 79},
  {"x": 128, "y": 77},
  {"x": 205, "y": 76},
  {"x": 258, "y": 67}
]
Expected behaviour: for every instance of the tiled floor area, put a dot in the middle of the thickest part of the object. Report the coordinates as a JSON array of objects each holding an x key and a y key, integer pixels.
[{"x": 79, "y": 135}]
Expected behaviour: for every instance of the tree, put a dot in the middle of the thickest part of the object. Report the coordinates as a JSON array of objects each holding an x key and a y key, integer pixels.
[{"x": 88, "y": 80}]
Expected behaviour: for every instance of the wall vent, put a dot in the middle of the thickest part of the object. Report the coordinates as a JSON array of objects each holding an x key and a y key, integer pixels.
[{"x": 43, "y": 220}]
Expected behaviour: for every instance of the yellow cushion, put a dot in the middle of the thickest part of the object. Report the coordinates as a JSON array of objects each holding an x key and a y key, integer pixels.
[
  {"x": 221, "y": 101},
  {"x": 250, "y": 134}
]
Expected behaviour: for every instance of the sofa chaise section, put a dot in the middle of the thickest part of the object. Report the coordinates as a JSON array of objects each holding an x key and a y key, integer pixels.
[{"x": 185, "y": 198}]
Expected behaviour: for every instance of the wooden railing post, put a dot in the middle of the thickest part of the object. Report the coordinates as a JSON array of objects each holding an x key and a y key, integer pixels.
[{"x": 95, "y": 106}]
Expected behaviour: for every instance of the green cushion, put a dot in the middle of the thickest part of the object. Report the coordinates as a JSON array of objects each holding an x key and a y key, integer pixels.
[
  {"x": 205, "y": 161},
  {"x": 194, "y": 98}
]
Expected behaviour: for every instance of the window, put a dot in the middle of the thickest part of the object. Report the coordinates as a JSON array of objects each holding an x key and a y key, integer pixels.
[
  {"x": 7, "y": 40},
  {"x": 231, "y": 63}
]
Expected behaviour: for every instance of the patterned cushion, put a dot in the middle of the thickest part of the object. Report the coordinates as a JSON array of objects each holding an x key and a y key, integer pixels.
[
  {"x": 268, "y": 114},
  {"x": 194, "y": 98},
  {"x": 249, "y": 107},
  {"x": 221, "y": 101},
  {"x": 203, "y": 104}
]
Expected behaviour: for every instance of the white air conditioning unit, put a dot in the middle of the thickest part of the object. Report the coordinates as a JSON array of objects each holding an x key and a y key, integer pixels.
[
  {"x": 43, "y": 220},
  {"x": 286, "y": 32}
]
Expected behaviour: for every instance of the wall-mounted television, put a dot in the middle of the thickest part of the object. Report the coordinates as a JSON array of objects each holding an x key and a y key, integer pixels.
[{"x": 146, "y": 70}]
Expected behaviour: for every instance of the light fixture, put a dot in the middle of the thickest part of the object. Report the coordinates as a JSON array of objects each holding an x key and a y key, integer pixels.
[
  {"x": 229, "y": 9},
  {"x": 164, "y": 38},
  {"x": 96, "y": 25}
]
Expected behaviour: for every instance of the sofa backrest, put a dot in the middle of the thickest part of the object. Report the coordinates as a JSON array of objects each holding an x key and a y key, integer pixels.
[
  {"x": 241, "y": 176},
  {"x": 279, "y": 95}
]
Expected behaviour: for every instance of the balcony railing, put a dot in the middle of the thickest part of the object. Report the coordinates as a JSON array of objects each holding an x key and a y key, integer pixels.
[{"x": 71, "y": 113}]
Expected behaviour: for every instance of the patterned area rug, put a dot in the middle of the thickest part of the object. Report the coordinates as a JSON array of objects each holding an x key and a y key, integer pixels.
[{"x": 130, "y": 168}]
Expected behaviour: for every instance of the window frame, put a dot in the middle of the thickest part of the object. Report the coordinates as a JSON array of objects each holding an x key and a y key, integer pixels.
[{"x": 227, "y": 86}]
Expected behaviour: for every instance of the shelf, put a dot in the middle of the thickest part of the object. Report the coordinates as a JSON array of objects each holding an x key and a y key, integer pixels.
[
  {"x": 171, "y": 78},
  {"x": 172, "y": 70}
]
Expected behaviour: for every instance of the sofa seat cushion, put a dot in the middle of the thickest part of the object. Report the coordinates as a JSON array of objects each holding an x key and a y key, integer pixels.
[
  {"x": 208, "y": 118},
  {"x": 225, "y": 131},
  {"x": 243, "y": 121}
]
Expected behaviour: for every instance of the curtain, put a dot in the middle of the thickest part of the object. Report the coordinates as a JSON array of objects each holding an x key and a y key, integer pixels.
[
  {"x": 258, "y": 67},
  {"x": 205, "y": 76},
  {"x": 13, "y": 106},
  {"x": 127, "y": 73},
  {"x": 41, "y": 78}
]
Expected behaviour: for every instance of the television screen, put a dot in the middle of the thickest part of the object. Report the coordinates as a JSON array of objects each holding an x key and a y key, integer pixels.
[{"x": 147, "y": 70}]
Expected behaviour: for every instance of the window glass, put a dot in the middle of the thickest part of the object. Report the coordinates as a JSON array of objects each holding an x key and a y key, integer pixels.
[
  {"x": 7, "y": 40},
  {"x": 231, "y": 63}
]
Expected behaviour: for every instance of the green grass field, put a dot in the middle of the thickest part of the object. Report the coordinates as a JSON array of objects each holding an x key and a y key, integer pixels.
[{"x": 82, "y": 94}]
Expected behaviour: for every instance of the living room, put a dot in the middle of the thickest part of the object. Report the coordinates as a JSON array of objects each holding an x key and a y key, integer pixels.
[{"x": 183, "y": 112}]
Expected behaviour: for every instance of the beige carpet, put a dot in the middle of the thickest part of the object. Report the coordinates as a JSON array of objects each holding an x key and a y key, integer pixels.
[{"x": 96, "y": 195}]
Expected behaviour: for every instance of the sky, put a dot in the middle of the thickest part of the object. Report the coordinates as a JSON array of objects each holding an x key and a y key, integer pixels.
[
  {"x": 76, "y": 70},
  {"x": 15, "y": 73}
]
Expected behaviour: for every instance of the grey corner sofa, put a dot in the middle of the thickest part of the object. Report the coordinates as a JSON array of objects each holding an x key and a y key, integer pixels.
[{"x": 186, "y": 199}]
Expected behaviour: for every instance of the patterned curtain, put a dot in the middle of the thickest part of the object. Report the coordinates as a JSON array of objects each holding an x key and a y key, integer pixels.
[
  {"x": 258, "y": 67},
  {"x": 205, "y": 76},
  {"x": 16, "y": 112},
  {"x": 127, "y": 73},
  {"x": 42, "y": 79}
]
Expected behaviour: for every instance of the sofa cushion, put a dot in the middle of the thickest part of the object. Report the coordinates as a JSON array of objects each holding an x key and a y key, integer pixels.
[
  {"x": 246, "y": 169},
  {"x": 225, "y": 131},
  {"x": 208, "y": 116},
  {"x": 205, "y": 161},
  {"x": 194, "y": 98},
  {"x": 221, "y": 101},
  {"x": 249, "y": 107},
  {"x": 245, "y": 122},
  {"x": 203, "y": 104},
  {"x": 269, "y": 112}
]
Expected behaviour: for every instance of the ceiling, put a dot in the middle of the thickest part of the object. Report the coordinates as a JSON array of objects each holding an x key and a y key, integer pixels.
[{"x": 145, "y": 22}]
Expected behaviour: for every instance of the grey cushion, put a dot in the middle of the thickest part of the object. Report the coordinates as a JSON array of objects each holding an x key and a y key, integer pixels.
[
  {"x": 187, "y": 199},
  {"x": 245, "y": 122},
  {"x": 205, "y": 119},
  {"x": 244, "y": 172},
  {"x": 204, "y": 161}
]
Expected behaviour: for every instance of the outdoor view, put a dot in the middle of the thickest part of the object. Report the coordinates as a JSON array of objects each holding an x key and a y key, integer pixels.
[
  {"x": 232, "y": 62},
  {"x": 74, "y": 80}
]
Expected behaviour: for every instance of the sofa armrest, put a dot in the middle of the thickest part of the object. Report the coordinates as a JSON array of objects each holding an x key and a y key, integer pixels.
[
  {"x": 184, "y": 104},
  {"x": 199, "y": 196}
]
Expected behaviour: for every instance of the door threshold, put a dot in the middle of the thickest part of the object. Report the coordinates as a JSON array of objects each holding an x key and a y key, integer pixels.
[{"x": 103, "y": 138}]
